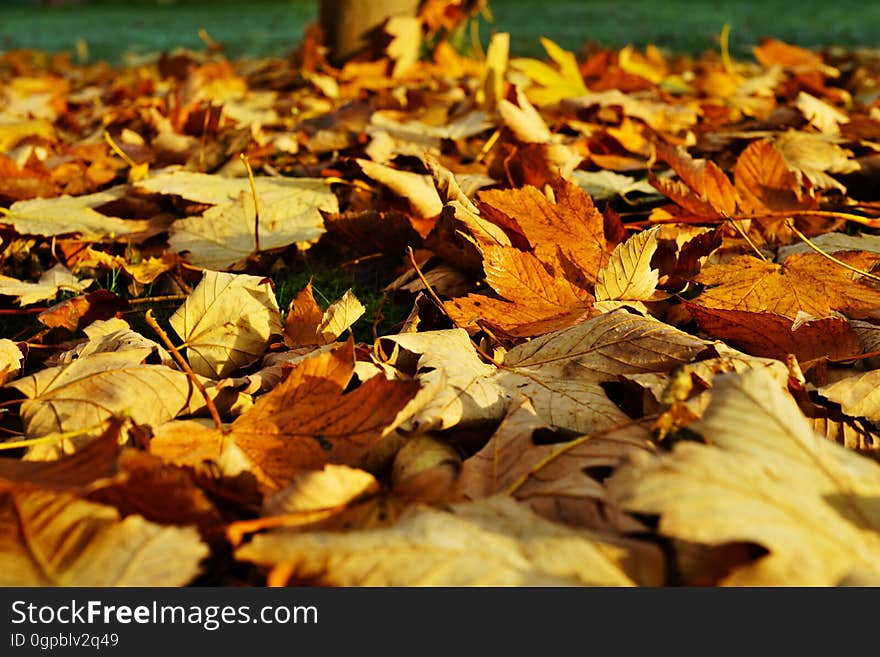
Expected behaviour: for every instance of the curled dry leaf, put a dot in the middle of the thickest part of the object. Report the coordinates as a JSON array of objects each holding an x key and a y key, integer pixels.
[
  {"x": 226, "y": 322},
  {"x": 857, "y": 394},
  {"x": 765, "y": 477},
  {"x": 494, "y": 542},
  {"x": 462, "y": 388},
  {"x": 552, "y": 478},
  {"x": 10, "y": 360}
]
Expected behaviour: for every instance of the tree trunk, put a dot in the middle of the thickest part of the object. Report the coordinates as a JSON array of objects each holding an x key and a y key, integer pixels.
[{"x": 346, "y": 22}]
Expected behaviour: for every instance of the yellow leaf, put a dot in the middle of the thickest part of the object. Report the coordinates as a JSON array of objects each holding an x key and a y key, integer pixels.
[
  {"x": 226, "y": 322},
  {"x": 55, "y": 539},
  {"x": 494, "y": 542},
  {"x": 764, "y": 477},
  {"x": 555, "y": 83}
]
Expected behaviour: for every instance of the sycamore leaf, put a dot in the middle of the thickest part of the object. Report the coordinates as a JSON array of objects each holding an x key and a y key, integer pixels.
[
  {"x": 83, "y": 395},
  {"x": 71, "y": 215},
  {"x": 340, "y": 316},
  {"x": 537, "y": 301},
  {"x": 775, "y": 336},
  {"x": 306, "y": 325},
  {"x": 550, "y": 478},
  {"x": 303, "y": 319},
  {"x": 226, "y": 322},
  {"x": 807, "y": 283},
  {"x": 858, "y": 395},
  {"x": 562, "y": 372},
  {"x": 54, "y": 280},
  {"x": 223, "y": 237},
  {"x": 765, "y": 477},
  {"x": 628, "y": 274},
  {"x": 553, "y": 83},
  {"x": 494, "y": 542},
  {"x": 765, "y": 183},
  {"x": 568, "y": 222},
  {"x": 55, "y": 539},
  {"x": 709, "y": 192},
  {"x": 464, "y": 390},
  {"x": 308, "y": 420}
]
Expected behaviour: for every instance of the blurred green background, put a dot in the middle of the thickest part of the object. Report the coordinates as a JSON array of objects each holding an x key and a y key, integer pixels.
[{"x": 271, "y": 27}]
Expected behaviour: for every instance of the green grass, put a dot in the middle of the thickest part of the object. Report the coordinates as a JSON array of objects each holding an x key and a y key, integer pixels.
[{"x": 271, "y": 27}]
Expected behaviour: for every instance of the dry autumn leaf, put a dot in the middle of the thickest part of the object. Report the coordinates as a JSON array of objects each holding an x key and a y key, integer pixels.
[
  {"x": 226, "y": 322},
  {"x": 489, "y": 543},
  {"x": 56, "y": 539},
  {"x": 305, "y": 422},
  {"x": 805, "y": 283},
  {"x": 765, "y": 477},
  {"x": 562, "y": 372}
]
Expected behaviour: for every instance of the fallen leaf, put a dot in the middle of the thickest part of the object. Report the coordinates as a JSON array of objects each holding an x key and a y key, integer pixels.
[
  {"x": 536, "y": 300},
  {"x": 308, "y": 420},
  {"x": 552, "y": 478},
  {"x": 805, "y": 283},
  {"x": 79, "y": 398},
  {"x": 858, "y": 395},
  {"x": 775, "y": 336},
  {"x": 569, "y": 222},
  {"x": 71, "y": 215},
  {"x": 562, "y": 372},
  {"x": 765, "y": 477},
  {"x": 462, "y": 388},
  {"x": 55, "y": 539},
  {"x": 10, "y": 360},
  {"x": 628, "y": 274},
  {"x": 494, "y": 542},
  {"x": 226, "y": 322},
  {"x": 58, "y": 278}
]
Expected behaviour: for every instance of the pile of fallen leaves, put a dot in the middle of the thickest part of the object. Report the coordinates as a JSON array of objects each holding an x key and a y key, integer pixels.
[{"x": 641, "y": 350}]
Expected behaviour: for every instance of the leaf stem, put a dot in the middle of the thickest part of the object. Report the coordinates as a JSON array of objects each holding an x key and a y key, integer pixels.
[
  {"x": 837, "y": 261},
  {"x": 250, "y": 172},
  {"x": 442, "y": 308},
  {"x": 212, "y": 409}
]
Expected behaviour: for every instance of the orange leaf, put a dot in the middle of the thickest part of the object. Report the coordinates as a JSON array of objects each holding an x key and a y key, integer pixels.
[
  {"x": 538, "y": 301},
  {"x": 571, "y": 223},
  {"x": 808, "y": 283}
]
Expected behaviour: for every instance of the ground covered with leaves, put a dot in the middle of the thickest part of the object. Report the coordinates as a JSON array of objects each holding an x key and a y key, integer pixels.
[{"x": 614, "y": 317}]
